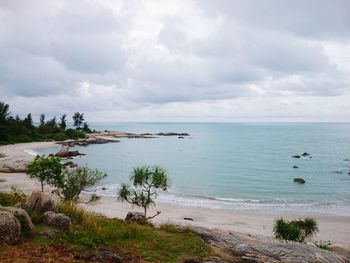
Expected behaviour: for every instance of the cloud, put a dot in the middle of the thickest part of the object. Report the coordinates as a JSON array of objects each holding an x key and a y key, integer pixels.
[{"x": 189, "y": 60}]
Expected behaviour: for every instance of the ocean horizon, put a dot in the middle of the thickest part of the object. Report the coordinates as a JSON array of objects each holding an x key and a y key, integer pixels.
[{"x": 236, "y": 166}]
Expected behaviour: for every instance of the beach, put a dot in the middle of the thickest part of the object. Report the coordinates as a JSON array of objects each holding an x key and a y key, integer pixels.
[{"x": 256, "y": 224}]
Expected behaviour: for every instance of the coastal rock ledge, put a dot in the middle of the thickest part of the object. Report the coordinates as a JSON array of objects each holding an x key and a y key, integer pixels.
[{"x": 248, "y": 249}]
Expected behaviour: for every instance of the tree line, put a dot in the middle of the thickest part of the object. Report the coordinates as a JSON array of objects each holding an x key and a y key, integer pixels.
[{"x": 14, "y": 129}]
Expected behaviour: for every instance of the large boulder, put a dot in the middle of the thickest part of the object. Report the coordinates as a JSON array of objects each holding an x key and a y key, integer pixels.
[
  {"x": 136, "y": 217},
  {"x": 10, "y": 228},
  {"x": 22, "y": 216},
  {"x": 60, "y": 221},
  {"x": 41, "y": 202}
]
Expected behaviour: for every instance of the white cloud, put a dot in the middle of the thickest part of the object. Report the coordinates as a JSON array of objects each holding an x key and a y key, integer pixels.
[{"x": 177, "y": 60}]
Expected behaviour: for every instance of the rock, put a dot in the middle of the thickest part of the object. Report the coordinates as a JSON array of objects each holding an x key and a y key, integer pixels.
[
  {"x": 22, "y": 216},
  {"x": 172, "y": 134},
  {"x": 2, "y": 180},
  {"x": 2, "y": 155},
  {"x": 60, "y": 221},
  {"x": 299, "y": 180},
  {"x": 305, "y": 154},
  {"x": 136, "y": 217},
  {"x": 25, "y": 207},
  {"x": 10, "y": 228},
  {"x": 64, "y": 152},
  {"x": 104, "y": 188},
  {"x": 296, "y": 156},
  {"x": 41, "y": 202},
  {"x": 49, "y": 234},
  {"x": 181, "y": 137},
  {"x": 212, "y": 260},
  {"x": 74, "y": 165},
  {"x": 188, "y": 218},
  {"x": 68, "y": 164},
  {"x": 346, "y": 160},
  {"x": 248, "y": 249},
  {"x": 295, "y": 167}
]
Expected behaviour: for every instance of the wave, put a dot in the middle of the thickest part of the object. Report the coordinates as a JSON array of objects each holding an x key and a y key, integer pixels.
[
  {"x": 263, "y": 206},
  {"x": 31, "y": 152}
]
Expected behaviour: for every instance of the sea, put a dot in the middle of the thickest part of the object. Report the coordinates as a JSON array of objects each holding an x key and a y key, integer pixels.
[{"x": 234, "y": 166}]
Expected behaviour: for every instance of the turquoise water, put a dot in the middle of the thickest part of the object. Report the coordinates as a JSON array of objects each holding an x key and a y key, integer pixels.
[{"x": 235, "y": 165}]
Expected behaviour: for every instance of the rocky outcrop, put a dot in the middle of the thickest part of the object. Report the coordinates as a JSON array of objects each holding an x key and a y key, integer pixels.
[
  {"x": 299, "y": 180},
  {"x": 59, "y": 221},
  {"x": 41, "y": 202},
  {"x": 65, "y": 152},
  {"x": 246, "y": 249},
  {"x": 136, "y": 217},
  {"x": 172, "y": 134},
  {"x": 22, "y": 216},
  {"x": 10, "y": 228},
  {"x": 12, "y": 169},
  {"x": 89, "y": 139},
  {"x": 295, "y": 167}
]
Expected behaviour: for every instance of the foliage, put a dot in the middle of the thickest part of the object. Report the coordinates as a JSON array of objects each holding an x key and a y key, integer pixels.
[
  {"x": 77, "y": 180},
  {"x": 48, "y": 170},
  {"x": 146, "y": 181},
  {"x": 14, "y": 197},
  {"x": 295, "y": 230},
  {"x": 17, "y": 130},
  {"x": 323, "y": 244},
  {"x": 78, "y": 119}
]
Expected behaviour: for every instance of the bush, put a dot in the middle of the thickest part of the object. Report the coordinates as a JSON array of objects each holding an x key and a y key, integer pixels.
[
  {"x": 76, "y": 181},
  {"x": 323, "y": 244},
  {"x": 295, "y": 230}
]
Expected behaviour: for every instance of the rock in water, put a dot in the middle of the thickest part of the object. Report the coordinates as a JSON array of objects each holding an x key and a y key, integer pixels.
[
  {"x": 296, "y": 156},
  {"x": 295, "y": 167},
  {"x": 10, "y": 228},
  {"x": 60, "y": 221},
  {"x": 22, "y": 216},
  {"x": 299, "y": 180},
  {"x": 41, "y": 202},
  {"x": 305, "y": 154}
]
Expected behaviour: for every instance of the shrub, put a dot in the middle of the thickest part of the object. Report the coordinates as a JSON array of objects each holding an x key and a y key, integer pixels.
[
  {"x": 323, "y": 244},
  {"x": 76, "y": 181},
  {"x": 146, "y": 182},
  {"x": 48, "y": 170},
  {"x": 14, "y": 197},
  {"x": 295, "y": 230}
]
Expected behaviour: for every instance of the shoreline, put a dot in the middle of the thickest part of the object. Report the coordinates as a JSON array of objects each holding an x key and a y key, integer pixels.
[{"x": 335, "y": 228}]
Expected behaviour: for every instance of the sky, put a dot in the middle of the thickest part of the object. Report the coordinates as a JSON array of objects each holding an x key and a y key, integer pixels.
[{"x": 184, "y": 60}]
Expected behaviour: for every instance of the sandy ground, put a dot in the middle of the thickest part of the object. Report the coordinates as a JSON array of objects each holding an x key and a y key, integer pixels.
[{"x": 333, "y": 228}]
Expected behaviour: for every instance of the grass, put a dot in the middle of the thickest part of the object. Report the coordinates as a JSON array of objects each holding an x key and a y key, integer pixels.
[
  {"x": 168, "y": 243},
  {"x": 89, "y": 231}
]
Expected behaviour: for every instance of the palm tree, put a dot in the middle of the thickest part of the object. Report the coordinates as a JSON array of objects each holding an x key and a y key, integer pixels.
[{"x": 63, "y": 122}]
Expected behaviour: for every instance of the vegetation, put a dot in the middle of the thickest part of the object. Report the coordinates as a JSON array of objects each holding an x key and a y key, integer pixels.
[
  {"x": 77, "y": 180},
  {"x": 163, "y": 244},
  {"x": 295, "y": 230},
  {"x": 323, "y": 244},
  {"x": 48, "y": 170},
  {"x": 17, "y": 130},
  {"x": 146, "y": 181},
  {"x": 14, "y": 197}
]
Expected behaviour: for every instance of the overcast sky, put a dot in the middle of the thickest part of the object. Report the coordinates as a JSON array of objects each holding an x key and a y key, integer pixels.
[{"x": 177, "y": 60}]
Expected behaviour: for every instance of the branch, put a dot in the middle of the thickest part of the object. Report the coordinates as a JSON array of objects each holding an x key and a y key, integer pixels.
[{"x": 150, "y": 217}]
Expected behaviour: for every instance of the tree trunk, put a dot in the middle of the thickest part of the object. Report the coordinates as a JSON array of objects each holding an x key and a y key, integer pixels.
[{"x": 42, "y": 186}]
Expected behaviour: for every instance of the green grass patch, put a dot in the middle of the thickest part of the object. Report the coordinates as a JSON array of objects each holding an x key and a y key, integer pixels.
[{"x": 165, "y": 244}]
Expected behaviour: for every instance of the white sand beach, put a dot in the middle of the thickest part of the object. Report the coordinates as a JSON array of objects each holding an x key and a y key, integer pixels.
[{"x": 333, "y": 228}]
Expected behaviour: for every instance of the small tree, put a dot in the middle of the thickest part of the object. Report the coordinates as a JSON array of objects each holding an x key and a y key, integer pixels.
[
  {"x": 78, "y": 119},
  {"x": 76, "y": 181},
  {"x": 63, "y": 122},
  {"x": 48, "y": 170},
  {"x": 146, "y": 181},
  {"x": 295, "y": 230}
]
